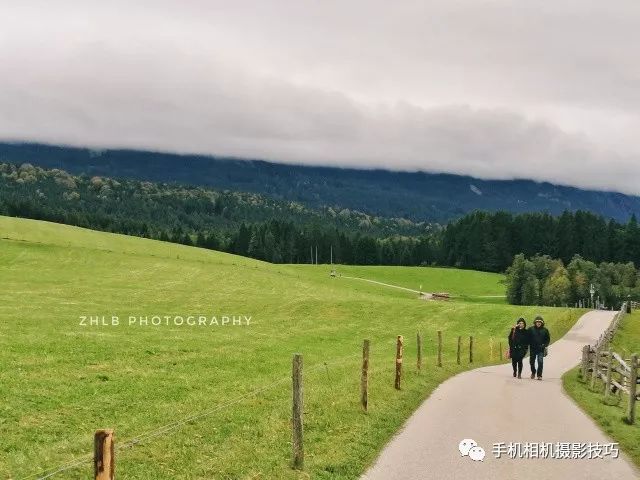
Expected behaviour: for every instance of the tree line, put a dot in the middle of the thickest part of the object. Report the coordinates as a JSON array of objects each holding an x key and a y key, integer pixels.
[
  {"x": 287, "y": 232},
  {"x": 489, "y": 241},
  {"x": 542, "y": 280}
]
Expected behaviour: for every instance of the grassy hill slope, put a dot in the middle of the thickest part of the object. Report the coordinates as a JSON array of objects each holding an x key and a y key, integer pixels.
[{"x": 60, "y": 380}]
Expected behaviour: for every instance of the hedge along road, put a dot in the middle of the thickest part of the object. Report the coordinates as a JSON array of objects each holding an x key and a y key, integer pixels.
[{"x": 489, "y": 406}]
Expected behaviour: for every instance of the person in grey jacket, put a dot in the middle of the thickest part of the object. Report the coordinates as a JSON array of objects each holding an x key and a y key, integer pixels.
[{"x": 539, "y": 340}]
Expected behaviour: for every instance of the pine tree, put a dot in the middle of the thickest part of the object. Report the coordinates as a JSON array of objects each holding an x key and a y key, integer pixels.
[
  {"x": 632, "y": 241},
  {"x": 201, "y": 241}
]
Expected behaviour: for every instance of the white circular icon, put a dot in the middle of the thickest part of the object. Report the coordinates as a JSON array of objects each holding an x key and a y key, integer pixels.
[
  {"x": 466, "y": 445},
  {"x": 476, "y": 454}
]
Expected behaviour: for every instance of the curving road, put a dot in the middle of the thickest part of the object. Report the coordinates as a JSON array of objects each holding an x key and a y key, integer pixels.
[{"x": 489, "y": 405}]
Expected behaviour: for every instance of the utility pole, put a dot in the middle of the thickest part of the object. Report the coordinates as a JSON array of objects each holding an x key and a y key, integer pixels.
[{"x": 311, "y": 250}]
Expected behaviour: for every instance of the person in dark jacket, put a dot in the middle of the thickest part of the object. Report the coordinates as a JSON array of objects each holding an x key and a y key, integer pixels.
[
  {"x": 518, "y": 345},
  {"x": 539, "y": 339}
]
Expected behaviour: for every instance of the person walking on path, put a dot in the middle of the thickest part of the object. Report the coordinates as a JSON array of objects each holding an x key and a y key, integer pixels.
[
  {"x": 539, "y": 341},
  {"x": 518, "y": 345}
]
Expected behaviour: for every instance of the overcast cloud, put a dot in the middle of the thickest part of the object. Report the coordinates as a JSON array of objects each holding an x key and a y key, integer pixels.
[{"x": 548, "y": 90}]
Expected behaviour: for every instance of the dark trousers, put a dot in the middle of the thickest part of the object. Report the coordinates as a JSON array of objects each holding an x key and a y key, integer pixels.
[
  {"x": 539, "y": 357},
  {"x": 516, "y": 363}
]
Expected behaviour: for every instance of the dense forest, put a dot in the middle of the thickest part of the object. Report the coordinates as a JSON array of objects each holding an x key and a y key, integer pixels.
[
  {"x": 97, "y": 201},
  {"x": 489, "y": 241},
  {"x": 542, "y": 280},
  {"x": 418, "y": 196},
  {"x": 289, "y": 232},
  {"x": 244, "y": 223}
]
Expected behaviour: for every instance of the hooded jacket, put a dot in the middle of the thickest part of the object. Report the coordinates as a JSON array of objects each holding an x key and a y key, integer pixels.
[
  {"x": 518, "y": 342},
  {"x": 539, "y": 337}
]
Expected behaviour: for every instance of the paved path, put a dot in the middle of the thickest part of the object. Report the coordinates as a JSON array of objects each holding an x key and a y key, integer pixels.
[{"x": 489, "y": 405}]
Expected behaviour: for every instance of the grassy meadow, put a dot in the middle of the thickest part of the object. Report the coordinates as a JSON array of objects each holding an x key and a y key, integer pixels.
[
  {"x": 609, "y": 415},
  {"x": 60, "y": 380},
  {"x": 467, "y": 285}
]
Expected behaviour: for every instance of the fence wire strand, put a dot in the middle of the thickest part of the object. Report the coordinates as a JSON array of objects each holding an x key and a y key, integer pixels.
[
  {"x": 50, "y": 472},
  {"x": 61, "y": 468}
]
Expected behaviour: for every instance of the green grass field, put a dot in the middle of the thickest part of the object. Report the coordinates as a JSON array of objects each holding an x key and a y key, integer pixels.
[
  {"x": 466, "y": 285},
  {"x": 60, "y": 381},
  {"x": 608, "y": 416}
]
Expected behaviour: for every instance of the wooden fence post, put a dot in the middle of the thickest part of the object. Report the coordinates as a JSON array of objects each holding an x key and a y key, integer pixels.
[
  {"x": 585, "y": 362},
  {"x": 419, "y": 345},
  {"x": 500, "y": 353},
  {"x": 594, "y": 372},
  {"x": 459, "y": 349},
  {"x": 633, "y": 389},
  {"x": 364, "y": 382},
  {"x": 471, "y": 349},
  {"x": 491, "y": 349},
  {"x": 103, "y": 455},
  {"x": 607, "y": 385},
  {"x": 439, "y": 348},
  {"x": 297, "y": 411},
  {"x": 399, "y": 348}
]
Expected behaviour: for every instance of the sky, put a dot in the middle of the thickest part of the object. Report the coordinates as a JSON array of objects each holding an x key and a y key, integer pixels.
[{"x": 546, "y": 90}]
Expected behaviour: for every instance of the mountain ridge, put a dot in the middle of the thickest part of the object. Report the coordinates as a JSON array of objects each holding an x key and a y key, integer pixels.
[{"x": 418, "y": 196}]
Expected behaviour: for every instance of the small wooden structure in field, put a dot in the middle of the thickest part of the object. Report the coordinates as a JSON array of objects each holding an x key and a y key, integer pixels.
[
  {"x": 434, "y": 296},
  {"x": 440, "y": 296}
]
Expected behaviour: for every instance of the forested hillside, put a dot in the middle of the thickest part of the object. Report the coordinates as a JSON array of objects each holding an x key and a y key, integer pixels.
[
  {"x": 244, "y": 223},
  {"x": 54, "y": 192},
  {"x": 288, "y": 232},
  {"x": 419, "y": 196}
]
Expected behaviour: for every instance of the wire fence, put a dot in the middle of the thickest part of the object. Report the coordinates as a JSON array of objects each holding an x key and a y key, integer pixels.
[
  {"x": 325, "y": 366},
  {"x": 61, "y": 468},
  {"x": 149, "y": 435}
]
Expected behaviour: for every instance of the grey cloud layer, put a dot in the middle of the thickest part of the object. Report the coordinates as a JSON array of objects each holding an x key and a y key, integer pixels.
[{"x": 487, "y": 91}]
